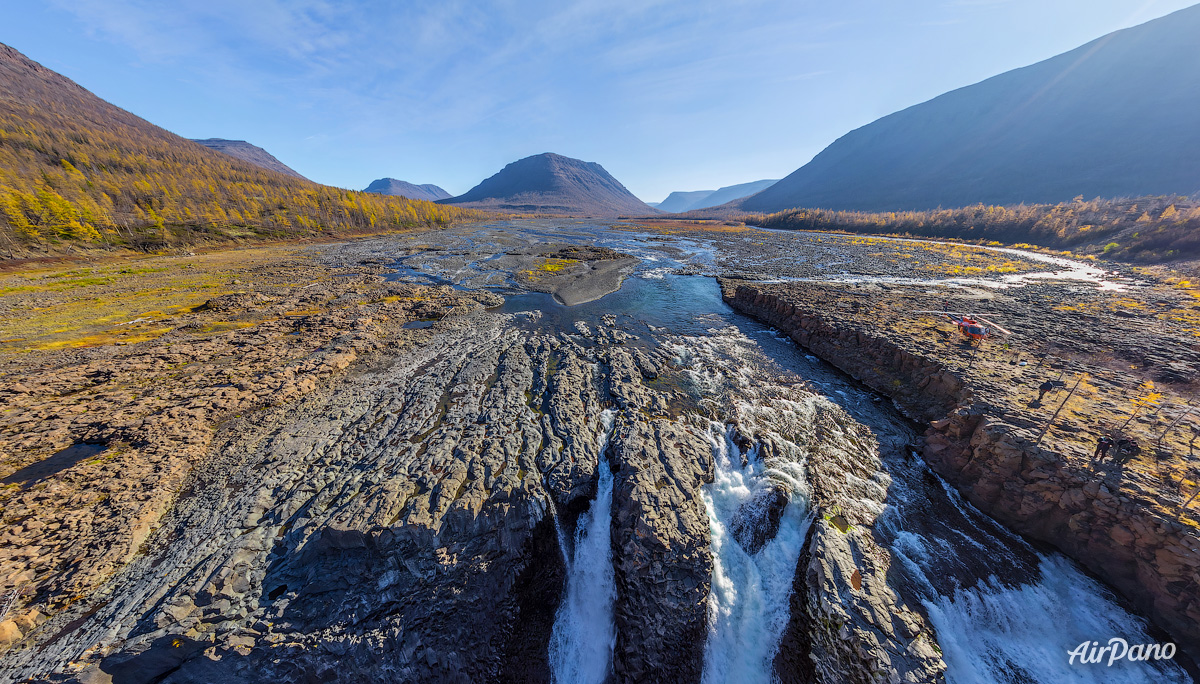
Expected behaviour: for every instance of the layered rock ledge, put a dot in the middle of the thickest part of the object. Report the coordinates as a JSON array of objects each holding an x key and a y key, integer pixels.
[{"x": 1013, "y": 457}]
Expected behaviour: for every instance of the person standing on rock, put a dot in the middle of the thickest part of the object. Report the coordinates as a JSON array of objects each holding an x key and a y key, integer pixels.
[
  {"x": 1102, "y": 447},
  {"x": 1043, "y": 388}
]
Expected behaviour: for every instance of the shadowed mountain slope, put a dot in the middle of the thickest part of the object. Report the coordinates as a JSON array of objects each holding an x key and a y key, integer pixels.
[
  {"x": 730, "y": 193},
  {"x": 247, "y": 152},
  {"x": 681, "y": 200},
  {"x": 391, "y": 186},
  {"x": 553, "y": 184},
  {"x": 1113, "y": 118}
]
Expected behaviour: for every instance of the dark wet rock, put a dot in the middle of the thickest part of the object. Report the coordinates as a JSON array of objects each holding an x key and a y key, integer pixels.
[
  {"x": 399, "y": 524},
  {"x": 757, "y": 520},
  {"x": 154, "y": 407},
  {"x": 585, "y": 253},
  {"x": 848, "y": 621},
  {"x": 661, "y": 551}
]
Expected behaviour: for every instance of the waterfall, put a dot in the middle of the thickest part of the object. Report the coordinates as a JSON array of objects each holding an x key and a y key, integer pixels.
[
  {"x": 748, "y": 605},
  {"x": 1002, "y": 612},
  {"x": 563, "y": 547},
  {"x": 1001, "y": 631},
  {"x": 582, "y": 640}
]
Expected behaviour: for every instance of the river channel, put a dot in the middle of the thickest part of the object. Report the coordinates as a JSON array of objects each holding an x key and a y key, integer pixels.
[{"x": 1002, "y": 610}]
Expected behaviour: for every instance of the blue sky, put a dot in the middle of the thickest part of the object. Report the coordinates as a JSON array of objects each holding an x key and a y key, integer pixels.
[{"x": 666, "y": 95}]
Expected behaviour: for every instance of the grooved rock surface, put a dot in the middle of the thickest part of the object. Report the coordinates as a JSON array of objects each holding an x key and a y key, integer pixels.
[
  {"x": 400, "y": 524},
  {"x": 661, "y": 556},
  {"x": 1118, "y": 518},
  {"x": 99, "y": 441}
]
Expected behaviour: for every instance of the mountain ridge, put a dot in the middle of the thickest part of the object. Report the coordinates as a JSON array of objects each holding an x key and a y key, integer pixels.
[
  {"x": 550, "y": 183},
  {"x": 1111, "y": 118},
  {"x": 248, "y": 152},
  {"x": 684, "y": 201},
  {"x": 77, "y": 171},
  {"x": 399, "y": 188}
]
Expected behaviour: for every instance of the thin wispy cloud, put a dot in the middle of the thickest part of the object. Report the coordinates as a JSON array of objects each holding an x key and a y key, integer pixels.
[{"x": 661, "y": 89}]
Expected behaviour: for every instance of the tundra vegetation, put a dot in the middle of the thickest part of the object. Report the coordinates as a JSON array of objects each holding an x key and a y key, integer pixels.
[{"x": 1140, "y": 230}]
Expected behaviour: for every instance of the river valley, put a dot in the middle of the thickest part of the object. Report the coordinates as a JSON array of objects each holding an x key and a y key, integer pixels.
[{"x": 611, "y": 475}]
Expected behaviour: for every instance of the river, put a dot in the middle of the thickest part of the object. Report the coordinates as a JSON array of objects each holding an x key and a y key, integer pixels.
[{"x": 1003, "y": 611}]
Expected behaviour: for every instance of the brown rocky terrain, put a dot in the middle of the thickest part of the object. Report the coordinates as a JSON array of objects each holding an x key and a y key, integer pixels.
[
  {"x": 284, "y": 481},
  {"x": 287, "y": 465},
  {"x": 99, "y": 439},
  {"x": 1131, "y": 359}
]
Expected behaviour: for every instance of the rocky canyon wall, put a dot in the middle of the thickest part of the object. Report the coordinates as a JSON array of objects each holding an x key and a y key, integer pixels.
[{"x": 1121, "y": 532}]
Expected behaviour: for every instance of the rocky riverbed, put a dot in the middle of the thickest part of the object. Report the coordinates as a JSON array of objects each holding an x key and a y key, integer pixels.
[
  {"x": 369, "y": 460},
  {"x": 1028, "y": 462}
]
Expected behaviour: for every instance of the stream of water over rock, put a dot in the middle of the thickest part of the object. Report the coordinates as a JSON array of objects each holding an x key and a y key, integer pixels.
[
  {"x": 582, "y": 640},
  {"x": 401, "y": 524},
  {"x": 1002, "y": 611},
  {"x": 752, "y": 576}
]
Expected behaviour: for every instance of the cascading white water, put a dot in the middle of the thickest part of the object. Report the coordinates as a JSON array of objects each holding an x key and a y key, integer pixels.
[
  {"x": 582, "y": 640},
  {"x": 993, "y": 632},
  {"x": 748, "y": 606},
  {"x": 562, "y": 544}
]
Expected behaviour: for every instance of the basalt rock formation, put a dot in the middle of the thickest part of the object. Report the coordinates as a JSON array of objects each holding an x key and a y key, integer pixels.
[
  {"x": 848, "y": 623},
  {"x": 1122, "y": 523},
  {"x": 400, "y": 523},
  {"x": 147, "y": 414}
]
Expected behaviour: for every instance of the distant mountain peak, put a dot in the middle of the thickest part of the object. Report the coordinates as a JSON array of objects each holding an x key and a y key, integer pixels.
[
  {"x": 247, "y": 152},
  {"x": 550, "y": 183},
  {"x": 678, "y": 202},
  {"x": 683, "y": 200},
  {"x": 391, "y": 186}
]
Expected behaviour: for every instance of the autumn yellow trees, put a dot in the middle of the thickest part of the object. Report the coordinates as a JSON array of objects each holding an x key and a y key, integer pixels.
[
  {"x": 85, "y": 171},
  {"x": 1149, "y": 228}
]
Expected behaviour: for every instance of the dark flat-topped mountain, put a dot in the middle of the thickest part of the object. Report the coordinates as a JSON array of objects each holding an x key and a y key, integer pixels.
[
  {"x": 1114, "y": 118},
  {"x": 702, "y": 199},
  {"x": 247, "y": 152},
  {"x": 391, "y": 186},
  {"x": 553, "y": 184}
]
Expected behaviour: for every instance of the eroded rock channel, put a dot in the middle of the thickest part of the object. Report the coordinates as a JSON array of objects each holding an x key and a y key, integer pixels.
[{"x": 423, "y": 518}]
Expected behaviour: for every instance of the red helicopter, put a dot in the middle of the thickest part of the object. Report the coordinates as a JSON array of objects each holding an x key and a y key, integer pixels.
[{"x": 972, "y": 326}]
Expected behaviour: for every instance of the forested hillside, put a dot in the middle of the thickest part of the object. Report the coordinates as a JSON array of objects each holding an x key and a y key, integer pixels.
[
  {"x": 1145, "y": 229},
  {"x": 76, "y": 169}
]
